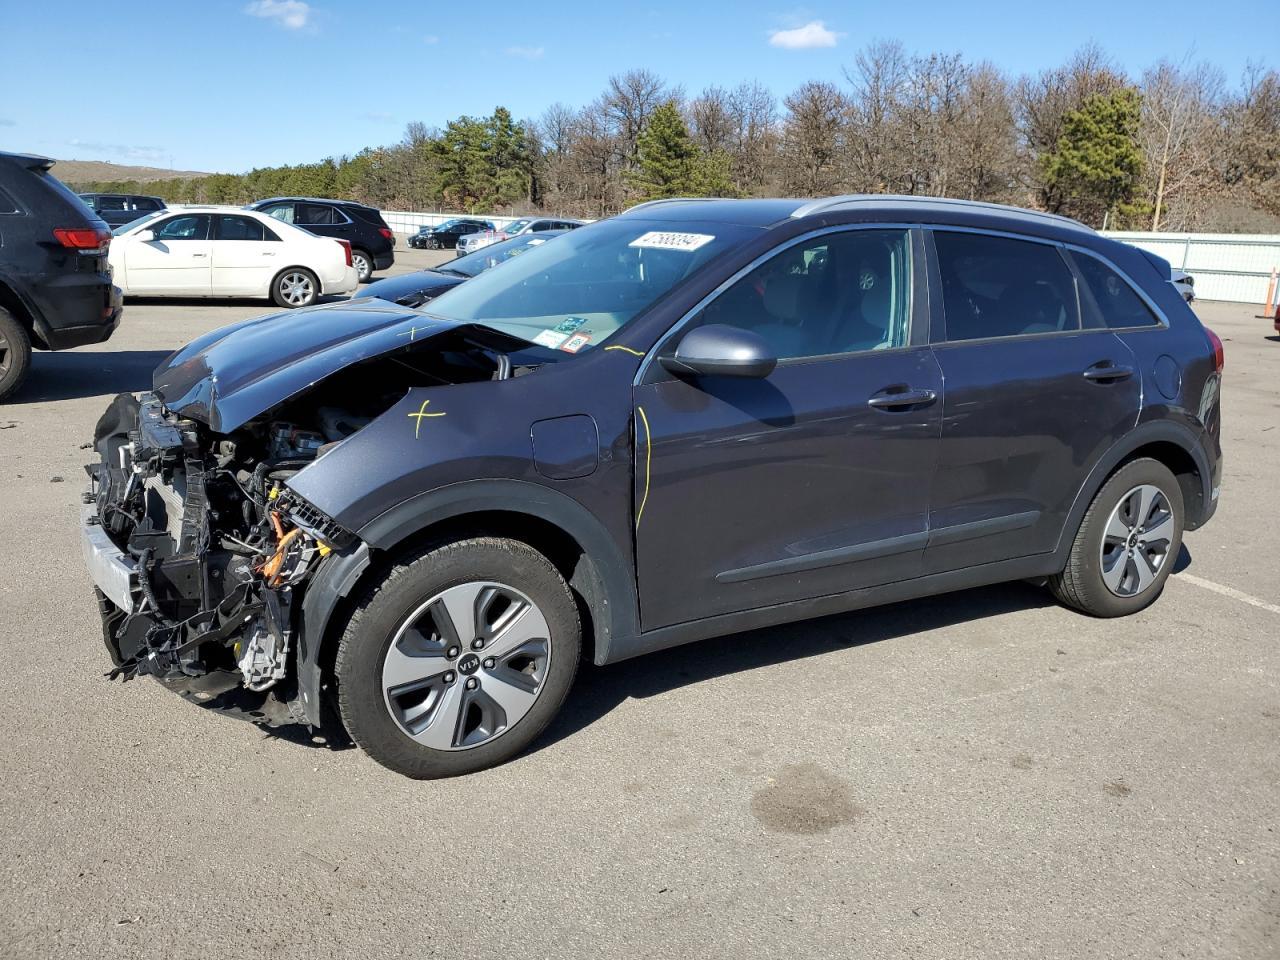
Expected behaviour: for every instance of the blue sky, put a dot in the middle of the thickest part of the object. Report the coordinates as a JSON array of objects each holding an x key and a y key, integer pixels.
[{"x": 226, "y": 86}]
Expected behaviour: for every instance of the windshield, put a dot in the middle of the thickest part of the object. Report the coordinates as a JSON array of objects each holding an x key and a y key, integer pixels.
[
  {"x": 515, "y": 226},
  {"x": 133, "y": 224},
  {"x": 573, "y": 294}
]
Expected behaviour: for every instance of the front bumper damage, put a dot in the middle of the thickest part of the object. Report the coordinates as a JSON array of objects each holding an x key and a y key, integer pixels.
[{"x": 197, "y": 573}]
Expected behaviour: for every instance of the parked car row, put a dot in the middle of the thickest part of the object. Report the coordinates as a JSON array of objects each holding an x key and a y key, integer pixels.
[
  {"x": 476, "y": 241},
  {"x": 446, "y": 235}
]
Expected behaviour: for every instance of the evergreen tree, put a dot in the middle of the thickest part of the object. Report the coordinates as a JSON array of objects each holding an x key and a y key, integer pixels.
[
  {"x": 1098, "y": 162},
  {"x": 665, "y": 155}
]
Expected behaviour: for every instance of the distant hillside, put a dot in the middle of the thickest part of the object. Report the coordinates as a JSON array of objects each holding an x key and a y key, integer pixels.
[{"x": 97, "y": 171}]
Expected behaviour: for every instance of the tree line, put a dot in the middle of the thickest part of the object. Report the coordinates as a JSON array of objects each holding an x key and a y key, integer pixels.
[{"x": 1176, "y": 148}]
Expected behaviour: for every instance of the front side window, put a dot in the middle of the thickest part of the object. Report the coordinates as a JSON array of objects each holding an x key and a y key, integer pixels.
[
  {"x": 1002, "y": 287},
  {"x": 242, "y": 228},
  {"x": 572, "y": 294},
  {"x": 1114, "y": 302},
  {"x": 837, "y": 293},
  {"x": 191, "y": 227}
]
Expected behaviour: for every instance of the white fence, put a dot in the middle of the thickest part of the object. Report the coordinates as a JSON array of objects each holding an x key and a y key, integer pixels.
[
  {"x": 1226, "y": 266},
  {"x": 404, "y": 221}
]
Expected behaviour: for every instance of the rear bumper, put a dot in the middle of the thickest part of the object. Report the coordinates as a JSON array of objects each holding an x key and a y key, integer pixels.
[
  {"x": 383, "y": 261},
  {"x": 347, "y": 282},
  {"x": 59, "y": 332}
]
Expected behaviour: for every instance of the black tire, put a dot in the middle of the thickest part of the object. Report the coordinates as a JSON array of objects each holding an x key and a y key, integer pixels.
[
  {"x": 1081, "y": 584},
  {"x": 15, "y": 354},
  {"x": 384, "y": 608},
  {"x": 363, "y": 264},
  {"x": 282, "y": 298}
]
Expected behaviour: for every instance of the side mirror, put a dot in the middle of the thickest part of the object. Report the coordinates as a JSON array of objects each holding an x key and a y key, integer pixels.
[
  {"x": 145, "y": 236},
  {"x": 717, "y": 350}
]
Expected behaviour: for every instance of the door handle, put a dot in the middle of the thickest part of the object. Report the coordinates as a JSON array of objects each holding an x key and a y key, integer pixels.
[
  {"x": 1106, "y": 371},
  {"x": 901, "y": 399},
  {"x": 268, "y": 253},
  {"x": 199, "y": 254}
]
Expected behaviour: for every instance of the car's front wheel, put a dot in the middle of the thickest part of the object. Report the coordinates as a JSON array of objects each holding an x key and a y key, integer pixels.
[
  {"x": 432, "y": 243},
  {"x": 458, "y": 659},
  {"x": 295, "y": 287},
  {"x": 15, "y": 354},
  {"x": 1127, "y": 543},
  {"x": 363, "y": 264}
]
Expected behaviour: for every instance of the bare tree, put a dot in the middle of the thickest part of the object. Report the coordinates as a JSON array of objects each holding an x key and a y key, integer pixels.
[
  {"x": 878, "y": 77},
  {"x": 1180, "y": 106},
  {"x": 813, "y": 138},
  {"x": 1251, "y": 166},
  {"x": 754, "y": 154},
  {"x": 630, "y": 99},
  {"x": 711, "y": 121}
]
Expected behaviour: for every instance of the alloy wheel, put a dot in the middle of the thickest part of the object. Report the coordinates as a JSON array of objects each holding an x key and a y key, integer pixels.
[
  {"x": 363, "y": 269},
  {"x": 466, "y": 665},
  {"x": 296, "y": 289},
  {"x": 6, "y": 355},
  {"x": 1135, "y": 546}
]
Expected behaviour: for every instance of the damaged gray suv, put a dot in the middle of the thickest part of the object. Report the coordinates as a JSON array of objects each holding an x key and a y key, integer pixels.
[{"x": 695, "y": 418}]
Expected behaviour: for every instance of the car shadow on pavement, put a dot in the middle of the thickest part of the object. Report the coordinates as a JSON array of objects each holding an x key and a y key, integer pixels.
[
  {"x": 598, "y": 690},
  {"x": 77, "y": 374}
]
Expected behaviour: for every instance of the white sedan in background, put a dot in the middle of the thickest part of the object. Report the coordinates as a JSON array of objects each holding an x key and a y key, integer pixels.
[{"x": 220, "y": 252}]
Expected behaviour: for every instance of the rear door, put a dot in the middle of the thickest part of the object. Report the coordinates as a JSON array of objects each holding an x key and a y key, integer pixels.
[
  {"x": 246, "y": 255},
  {"x": 322, "y": 219},
  {"x": 1033, "y": 397},
  {"x": 176, "y": 261},
  {"x": 812, "y": 481}
]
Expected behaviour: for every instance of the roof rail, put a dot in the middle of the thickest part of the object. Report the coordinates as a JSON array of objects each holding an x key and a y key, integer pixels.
[
  {"x": 846, "y": 201},
  {"x": 654, "y": 203}
]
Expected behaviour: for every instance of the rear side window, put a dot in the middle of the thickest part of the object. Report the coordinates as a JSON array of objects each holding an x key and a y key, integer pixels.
[
  {"x": 242, "y": 228},
  {"x": 1115, "y": 304},
  {"x": 7, "y": 204},
  {"x": 111, "y": 203},
  {"x": 147, "y": 203},
  {"x": 1001, "y": 287},
  {"x": 317, "y": 214}
]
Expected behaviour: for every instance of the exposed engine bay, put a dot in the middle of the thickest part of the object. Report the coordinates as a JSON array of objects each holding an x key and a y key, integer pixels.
[{"x": 203, "y": 549}]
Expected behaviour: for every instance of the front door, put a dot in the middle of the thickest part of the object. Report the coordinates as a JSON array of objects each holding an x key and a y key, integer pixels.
[
  {"x": 1033, "y": 399},
  {"x": 814, "y": 480},
  {"x": 176, "y": 261}
]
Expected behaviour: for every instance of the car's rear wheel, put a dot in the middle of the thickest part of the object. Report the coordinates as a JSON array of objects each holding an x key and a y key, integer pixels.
[
  {"x": 458, "y": 659},
  {"x": 363, "y": 264},
  {"x": 1127, "y": 543},
  {"x": 295, "y": 287},
  {"x": 432, "y": 243},
  {"x": 15, "y": 354}
]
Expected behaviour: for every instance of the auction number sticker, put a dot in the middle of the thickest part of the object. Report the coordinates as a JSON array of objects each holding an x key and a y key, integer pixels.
[
  {"x": 549, "y": 338},
  {"x": 662, "y": 240}
]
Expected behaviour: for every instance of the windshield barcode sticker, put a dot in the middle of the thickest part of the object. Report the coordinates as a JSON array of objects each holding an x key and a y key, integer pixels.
[{"x": 660, "y": 240}]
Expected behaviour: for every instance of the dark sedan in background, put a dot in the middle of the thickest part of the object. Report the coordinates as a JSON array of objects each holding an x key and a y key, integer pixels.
[{"x": 446, "y": 235}]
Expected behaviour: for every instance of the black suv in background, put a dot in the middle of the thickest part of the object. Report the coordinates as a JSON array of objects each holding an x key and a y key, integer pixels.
[
  {"x": 446, "y": 235},
  {"x": 372, "y": 242},
  {"x": 117, "y": 209},
  {"x": 55, "y": 285}
]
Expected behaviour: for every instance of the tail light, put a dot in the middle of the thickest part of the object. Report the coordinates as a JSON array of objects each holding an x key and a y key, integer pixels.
[
  {"x": 83, "y": 238},
  {"x": 1219, "y": 356},
  {"x": 386, "y": 233},
  {"x": 346, "y": 249}
]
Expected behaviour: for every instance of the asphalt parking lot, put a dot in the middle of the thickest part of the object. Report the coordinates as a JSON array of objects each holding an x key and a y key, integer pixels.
[{"x": 979, "y": 775}]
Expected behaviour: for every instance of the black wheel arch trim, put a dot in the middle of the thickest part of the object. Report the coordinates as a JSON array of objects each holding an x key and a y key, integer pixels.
[
  {"x": 34, "y": 320},
  {"x": 1145, "y": 434},
  {"x": 608, "y": 575}
]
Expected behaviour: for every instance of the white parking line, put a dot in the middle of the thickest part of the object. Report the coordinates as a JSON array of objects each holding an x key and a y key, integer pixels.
[{"x": 1231, "y": 592}]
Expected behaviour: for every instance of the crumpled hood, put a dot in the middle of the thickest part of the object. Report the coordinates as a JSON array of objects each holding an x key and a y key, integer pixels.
[{"x": 233, "y": 374}]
